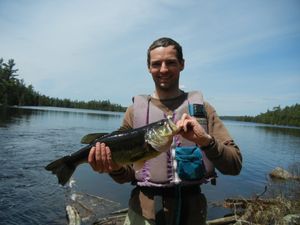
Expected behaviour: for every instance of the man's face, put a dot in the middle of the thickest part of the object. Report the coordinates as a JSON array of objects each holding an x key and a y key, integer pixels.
[{"x": 165, "y": 68}]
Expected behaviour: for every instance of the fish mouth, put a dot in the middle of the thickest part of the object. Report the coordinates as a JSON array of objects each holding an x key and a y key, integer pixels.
[
  {"x": 161, "y": 137},
  {"x": 170, "y": 126}
]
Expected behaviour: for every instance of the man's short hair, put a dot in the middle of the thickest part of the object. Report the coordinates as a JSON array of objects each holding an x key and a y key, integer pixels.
[{"x": 165, "y": 42}]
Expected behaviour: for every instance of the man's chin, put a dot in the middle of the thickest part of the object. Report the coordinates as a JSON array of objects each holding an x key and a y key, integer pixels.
[{"x": 164, "y": 85}]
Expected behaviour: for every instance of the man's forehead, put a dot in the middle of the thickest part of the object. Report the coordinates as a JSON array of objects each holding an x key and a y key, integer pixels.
[
  {"x": 163, "y": 52},
  {"x": 160, "y": 48}
]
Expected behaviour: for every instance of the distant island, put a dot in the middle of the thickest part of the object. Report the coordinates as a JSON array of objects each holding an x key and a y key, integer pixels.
[
  {"x": 288, "y": 116},
  {"x": 14, "y": 91}
]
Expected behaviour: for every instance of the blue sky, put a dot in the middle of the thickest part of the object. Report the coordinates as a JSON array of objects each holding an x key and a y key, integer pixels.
[{"x": 243, "y": 55}]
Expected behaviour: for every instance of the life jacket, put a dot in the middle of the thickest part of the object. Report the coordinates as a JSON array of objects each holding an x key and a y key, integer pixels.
[{"x": 184, "y": 163}]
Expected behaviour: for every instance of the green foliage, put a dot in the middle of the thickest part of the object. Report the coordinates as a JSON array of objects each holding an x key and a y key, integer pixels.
[
  {"x": 288, "y": 116},
  {"x": 13, "y": 91}
]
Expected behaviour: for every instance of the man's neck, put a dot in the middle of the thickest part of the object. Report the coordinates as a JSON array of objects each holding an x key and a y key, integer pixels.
[{"x": 163, "y": 95}]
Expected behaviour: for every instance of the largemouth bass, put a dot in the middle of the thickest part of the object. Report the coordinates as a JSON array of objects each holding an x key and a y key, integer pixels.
[{"x": 126, "y": 147}]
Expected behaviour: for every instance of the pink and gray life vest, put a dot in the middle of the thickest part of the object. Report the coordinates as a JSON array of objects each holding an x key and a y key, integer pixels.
[{"x": 184, "y": 163}]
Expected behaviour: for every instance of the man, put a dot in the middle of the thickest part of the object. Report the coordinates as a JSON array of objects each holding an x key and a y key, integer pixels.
[{"x": 168, "y": 187}]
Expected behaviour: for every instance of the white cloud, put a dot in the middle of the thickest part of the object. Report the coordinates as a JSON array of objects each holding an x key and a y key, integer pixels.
[{"x": 96, "y": 49}]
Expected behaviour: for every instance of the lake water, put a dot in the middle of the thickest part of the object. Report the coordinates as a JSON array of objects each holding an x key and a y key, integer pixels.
[{"x": 30, "y": 138}]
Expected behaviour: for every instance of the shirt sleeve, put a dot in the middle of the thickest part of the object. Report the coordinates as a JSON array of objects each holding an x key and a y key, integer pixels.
[
  {"x": 224, "y": 153},
  {"x": 126, "y": 173}
]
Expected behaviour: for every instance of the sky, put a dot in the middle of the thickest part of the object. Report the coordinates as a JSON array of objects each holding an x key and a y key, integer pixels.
[{"x": 244, "y": 56}]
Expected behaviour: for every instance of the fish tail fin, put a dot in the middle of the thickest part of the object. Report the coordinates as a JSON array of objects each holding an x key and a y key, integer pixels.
[{"x": 62, "y": 169}]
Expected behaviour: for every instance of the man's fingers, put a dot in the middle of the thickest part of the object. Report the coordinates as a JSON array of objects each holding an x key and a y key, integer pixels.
[
  {"x": 97, "y": 152},
  {"x": 186, "y": 124},
  {"x": 108, "y": 153},
  {"x": 109, "y": 159},
  {"x": 100, "y": 159},
  {"x": 104, "y": 160},
  {"x": 185, "y": 116},
  {"x": 103, "y": 152},
  {"x": 98, "y": 166},
  {"x": 91, "y": 157}
]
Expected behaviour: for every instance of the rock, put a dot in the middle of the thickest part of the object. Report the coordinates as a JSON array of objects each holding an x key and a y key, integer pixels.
[
  {"x": 292, "y": 219},
  {"x": 85, "y": 209},
  {"x": 280, "y": 173},
  {"x": 73, "y": 215}
]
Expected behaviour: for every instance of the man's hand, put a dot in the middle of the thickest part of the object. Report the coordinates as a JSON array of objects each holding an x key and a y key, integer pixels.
[
  {"x": 100, "y": 159},
  {"x": 193, "y": 131}
]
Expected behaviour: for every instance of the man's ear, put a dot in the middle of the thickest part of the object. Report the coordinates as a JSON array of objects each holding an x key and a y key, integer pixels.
[{"x": 182, "y": 65}]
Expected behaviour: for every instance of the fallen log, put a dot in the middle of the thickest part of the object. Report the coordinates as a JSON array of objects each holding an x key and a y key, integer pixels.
[
  {"x": 242, "y": 203},
  {"x": 222, "y": 221},
  {"x": 118, "y": 217}
]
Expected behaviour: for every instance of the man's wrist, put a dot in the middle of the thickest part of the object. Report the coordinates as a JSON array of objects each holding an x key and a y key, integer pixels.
[
  {"x": 209, "y": 143},
  {"x": 118, "y": 171}
]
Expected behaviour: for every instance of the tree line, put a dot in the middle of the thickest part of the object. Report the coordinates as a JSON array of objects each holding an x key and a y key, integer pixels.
[
  {"x": 287, "y": 116},
  {"x": 14, "y": 91}
]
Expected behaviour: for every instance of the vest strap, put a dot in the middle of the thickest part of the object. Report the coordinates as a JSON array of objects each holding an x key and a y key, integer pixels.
[{"x": 141, "y": 105}]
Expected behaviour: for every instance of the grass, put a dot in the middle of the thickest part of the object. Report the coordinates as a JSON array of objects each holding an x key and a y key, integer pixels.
[{"x": 280, "y": 198}]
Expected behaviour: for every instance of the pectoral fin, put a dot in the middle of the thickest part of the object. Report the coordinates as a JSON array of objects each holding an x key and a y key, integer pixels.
[{"x": 89, "y": 138}]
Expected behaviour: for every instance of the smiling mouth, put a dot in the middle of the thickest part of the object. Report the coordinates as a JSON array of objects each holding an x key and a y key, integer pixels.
[
  {"x": 164, "y": 78},
  {"x": 164, "y": 82}
]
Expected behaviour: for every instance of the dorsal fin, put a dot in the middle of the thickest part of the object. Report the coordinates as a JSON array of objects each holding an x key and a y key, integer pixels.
[{"x": 89, "y": 138}]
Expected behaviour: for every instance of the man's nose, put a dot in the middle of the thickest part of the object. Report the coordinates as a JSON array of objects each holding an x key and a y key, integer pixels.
[{"x": 163, "y": 68}]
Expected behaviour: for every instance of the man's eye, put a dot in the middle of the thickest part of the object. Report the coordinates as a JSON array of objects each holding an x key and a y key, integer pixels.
[
  {"x": 171, "y": 63},
  {"x": 155, "y": 64}
]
